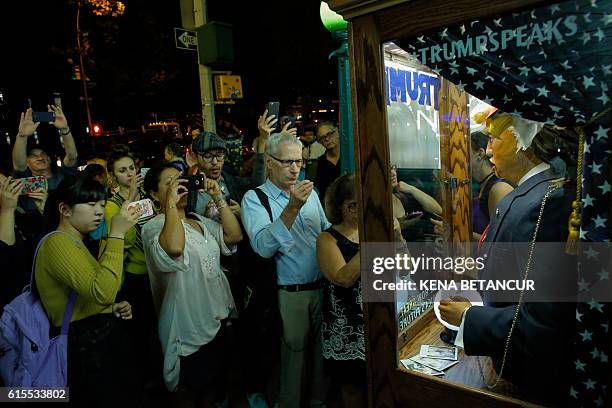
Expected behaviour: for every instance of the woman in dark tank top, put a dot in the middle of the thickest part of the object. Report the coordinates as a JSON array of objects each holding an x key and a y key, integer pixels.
[{"x": 338, "y": 257}]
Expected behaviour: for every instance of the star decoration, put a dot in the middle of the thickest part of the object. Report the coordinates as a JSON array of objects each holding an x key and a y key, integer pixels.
[
  {"x": 460, "y": 86},
  {"x": 587, "y": 17},
  {"x": 603, "y": 357},
  {"x": 521, "y": 88},
  {"x": 454, "y": 71},
  {"x": 498, "y": 22},
  {"x": 558, "y": 79},
  {"x": 579, "y": 365},
  {"x": 573, "y": 393},
  {"x": 600, "y": 222},
  {"x": 586, "y": 335},
  {"x": 605, "y": 188},
  {"x": 595, "y": 168},
  {"x": 586, "y": 37},
  {"x": 603, "y": 274},
  {"x": 603, "y": 98},
  {"x": 602, "y": 133},
  {"x": 506, "y": 99},
  {"x": 589, "y": 384},
  {"x": 607, "y": 69},
  {"x": 586, "y": 149},
  {"x": 579, "y": 316},
  {"x": 539, "y": 70},
  {"x": 605, "y": 327},
  {"x": 594, "y": 353},
  {"x": 599, "y": 34},
  {"x": 583, "y": 234},
  {"x": 553, "y": 108},
  {"x": 587, "y": 81},
  {"x": 462, "y": 29},
  {"x": 607, "y": 18},
  {"x": 593, "y": 304},
  {"x": 487, "y": 30},
  {"x": 565, "y": 64},
  {"x": 471, "y": 71},
  {"x": 583, "y": 285},
  {"x": 479, "y": 84},
  {"x": 524, "y": 71},
  {"x": 489, "y": 78},
  {"x": 504, "y": 67},
  {"x": 599, "y": 402},
  {"x": 554, "y": 8},
  {"x": 587, "y": 201},
  {"x": 443, "y": 33},
  {"x": 421, "y": 39},
  {"x": 543, "y": 92}
]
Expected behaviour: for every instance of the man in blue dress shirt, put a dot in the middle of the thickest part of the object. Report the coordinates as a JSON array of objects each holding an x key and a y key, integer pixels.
[{"x": 291, "y": 240}]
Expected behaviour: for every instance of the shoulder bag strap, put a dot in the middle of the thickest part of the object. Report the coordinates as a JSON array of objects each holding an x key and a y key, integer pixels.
[
  {"x": 263, "y": 199},
  {"x": 71, "y": 296}
]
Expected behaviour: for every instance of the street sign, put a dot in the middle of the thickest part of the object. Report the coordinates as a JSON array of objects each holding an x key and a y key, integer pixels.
[{"x": 185, "y": 39}]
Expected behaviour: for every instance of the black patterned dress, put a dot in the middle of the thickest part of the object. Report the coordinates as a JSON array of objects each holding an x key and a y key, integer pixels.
[{"x": 343, "y": 339}]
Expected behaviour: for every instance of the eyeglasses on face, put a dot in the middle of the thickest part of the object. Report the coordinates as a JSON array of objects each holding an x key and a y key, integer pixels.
[
  {"x": 208, "y": 157},
  {"x": 327, "y": 135},
  {"x": 288, "y": 163}
]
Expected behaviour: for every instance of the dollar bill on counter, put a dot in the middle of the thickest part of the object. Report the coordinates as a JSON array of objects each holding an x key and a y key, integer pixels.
[
  {"x": 433, "y": 363},
  {"x": 414, "y": 366},
  {"x": 440, "y": 352}
]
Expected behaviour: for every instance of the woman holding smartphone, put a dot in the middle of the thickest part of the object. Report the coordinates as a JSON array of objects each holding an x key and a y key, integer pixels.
[
  {"x": 192, "y": 295},
  {"x": 98, "y": 363}
]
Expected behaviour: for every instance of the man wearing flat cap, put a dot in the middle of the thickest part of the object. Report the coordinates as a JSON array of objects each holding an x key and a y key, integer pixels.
[{"x": 210, "y": 151}]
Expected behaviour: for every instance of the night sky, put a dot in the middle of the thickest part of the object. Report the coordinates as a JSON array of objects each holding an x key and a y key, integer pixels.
[{"x": 281, "y": 52}]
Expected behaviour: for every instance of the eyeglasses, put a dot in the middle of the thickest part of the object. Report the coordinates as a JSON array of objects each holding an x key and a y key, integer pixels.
[
  {"x": 208, "y": 157},
  {"x": 326, "y": 135},
  {"x": 288, "y": 163},
  {"x": 352, "y": 206}
]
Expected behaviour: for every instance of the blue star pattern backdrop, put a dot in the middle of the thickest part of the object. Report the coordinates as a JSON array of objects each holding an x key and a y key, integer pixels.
[{"x": 552, "y": 64}]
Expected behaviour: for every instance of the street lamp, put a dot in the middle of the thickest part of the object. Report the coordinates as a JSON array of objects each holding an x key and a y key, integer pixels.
[{"x": 337, "y": 26}]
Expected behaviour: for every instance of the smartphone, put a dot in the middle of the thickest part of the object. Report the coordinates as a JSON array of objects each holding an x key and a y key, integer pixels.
[
  {"x": 37, "y": 184},
  {"x": 288, "y": 119},
  {"x": 274, "y": 109},
  {"x": 143, "y": 171},
  {"x": 43, "y": 117},
  {"x": 146, "y": 207},
  {"x": 195, "y": 182}
]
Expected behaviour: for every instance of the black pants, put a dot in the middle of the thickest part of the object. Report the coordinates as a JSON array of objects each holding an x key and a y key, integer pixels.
[{"x": 99, "y": 363}]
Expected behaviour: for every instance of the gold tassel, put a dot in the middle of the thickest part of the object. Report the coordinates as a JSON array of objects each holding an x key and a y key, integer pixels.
[{"x": 571, "y": 246}]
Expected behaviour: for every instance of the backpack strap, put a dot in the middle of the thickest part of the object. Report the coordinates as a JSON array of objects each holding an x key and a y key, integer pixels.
[
  {"x": 263, "y": 199},
  {"x": 71, "y": 296}
]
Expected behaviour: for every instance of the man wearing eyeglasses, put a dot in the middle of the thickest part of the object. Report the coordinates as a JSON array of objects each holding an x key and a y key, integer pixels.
[
  {"x": 210, "y": 151},
  {"x": 291, "y": 239}
]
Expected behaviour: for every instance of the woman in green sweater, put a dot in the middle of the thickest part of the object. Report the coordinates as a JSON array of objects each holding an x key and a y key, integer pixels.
[{"x": 97, "y": 364}]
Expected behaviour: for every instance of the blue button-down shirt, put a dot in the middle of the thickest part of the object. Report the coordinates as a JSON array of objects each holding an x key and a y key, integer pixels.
[{"x": 295, "y": 250}]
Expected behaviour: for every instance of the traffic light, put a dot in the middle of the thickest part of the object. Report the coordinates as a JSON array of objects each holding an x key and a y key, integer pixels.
[
  {"x": 76, "y": 74},
  {"x": 97, "y": 129}
]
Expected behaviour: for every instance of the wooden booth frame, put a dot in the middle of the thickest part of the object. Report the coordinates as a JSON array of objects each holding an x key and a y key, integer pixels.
[{"x": 372, "y": 23}]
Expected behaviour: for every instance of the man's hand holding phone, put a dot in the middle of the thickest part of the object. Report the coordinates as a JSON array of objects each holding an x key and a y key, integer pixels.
[
  {"x": 27, "y": 126},
  {"x": 60, "y": 121},
  {"x": 266, "y": 124},
  {"x": 300, "y": 193}
]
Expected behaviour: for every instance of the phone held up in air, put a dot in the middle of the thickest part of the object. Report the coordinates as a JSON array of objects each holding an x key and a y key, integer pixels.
[
  {"x": 143, "y": 171},
  {"x": 146, "y": 207},
  {"x": 274, "y": 109},
  {"x": 290, "y": 120},
  {"x": 36, "y": 184},
  {"x": 43, "y": 117}
]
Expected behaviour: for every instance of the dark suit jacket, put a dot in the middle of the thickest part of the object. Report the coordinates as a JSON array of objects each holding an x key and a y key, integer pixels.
[{"x": 540, "y": 350}]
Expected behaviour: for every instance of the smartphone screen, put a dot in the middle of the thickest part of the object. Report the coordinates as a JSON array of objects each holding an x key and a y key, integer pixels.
[{"x": 43, "y": 117}]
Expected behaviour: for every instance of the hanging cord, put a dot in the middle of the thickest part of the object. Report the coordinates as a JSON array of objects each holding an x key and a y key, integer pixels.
[
  {"x": 571, "y": 246},
  {"x": 551, "y": 188}
]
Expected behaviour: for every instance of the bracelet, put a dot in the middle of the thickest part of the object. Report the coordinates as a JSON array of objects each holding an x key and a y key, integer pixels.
[
  {"x": 64, "y": 133},
  {"x": 109, "y": 237}
]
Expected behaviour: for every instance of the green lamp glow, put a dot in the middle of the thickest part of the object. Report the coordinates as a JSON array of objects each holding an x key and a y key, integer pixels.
[{"x": 331, "y": 20}]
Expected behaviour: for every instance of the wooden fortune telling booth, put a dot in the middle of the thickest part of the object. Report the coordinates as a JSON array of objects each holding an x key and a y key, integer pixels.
[{"x": 424, "y": 74}]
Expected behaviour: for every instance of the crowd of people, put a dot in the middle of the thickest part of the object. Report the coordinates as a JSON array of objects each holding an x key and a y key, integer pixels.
[{"x": 173, "y": 297}]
